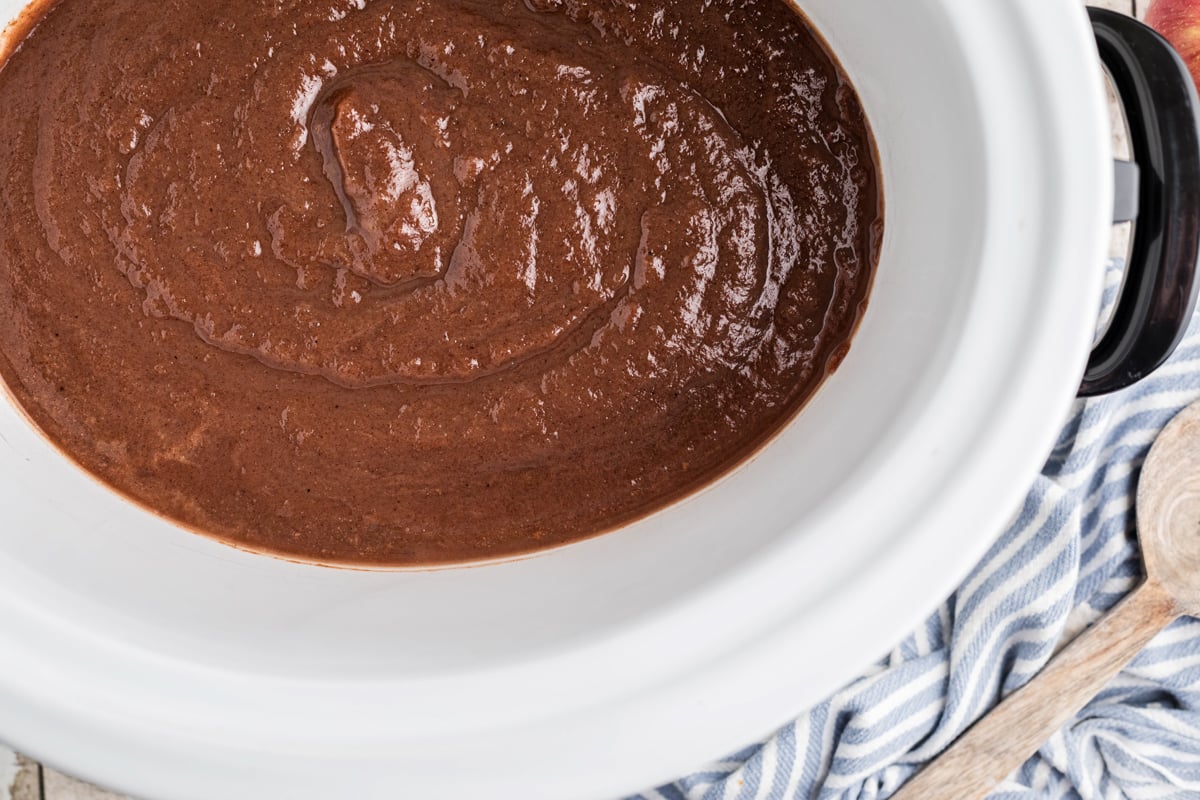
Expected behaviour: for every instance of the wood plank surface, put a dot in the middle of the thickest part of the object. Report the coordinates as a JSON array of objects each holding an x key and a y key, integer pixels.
[
  {"x": 20, "y": 778},
  {"x": 57, "y": 786}
]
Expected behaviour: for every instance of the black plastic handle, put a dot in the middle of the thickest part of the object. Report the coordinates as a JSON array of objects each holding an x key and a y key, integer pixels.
[{"x": 1159, "y": 295}]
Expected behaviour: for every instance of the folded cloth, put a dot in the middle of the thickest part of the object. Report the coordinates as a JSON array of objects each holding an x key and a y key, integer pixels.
[{"x": 1069, "y": 556}]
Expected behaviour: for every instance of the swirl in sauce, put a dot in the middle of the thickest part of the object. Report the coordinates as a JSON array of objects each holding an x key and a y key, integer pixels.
[{"x": 405, "y": 282}]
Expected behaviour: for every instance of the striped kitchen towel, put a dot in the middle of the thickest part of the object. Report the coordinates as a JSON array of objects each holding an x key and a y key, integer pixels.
[{"x": 1068, "y": 557}]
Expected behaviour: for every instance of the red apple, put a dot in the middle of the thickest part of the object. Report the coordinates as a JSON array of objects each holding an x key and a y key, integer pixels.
[{"x": 1179, "y": 21}]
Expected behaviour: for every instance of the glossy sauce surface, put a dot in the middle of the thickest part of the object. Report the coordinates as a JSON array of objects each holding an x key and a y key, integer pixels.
[{"x": 401, "y": 282}]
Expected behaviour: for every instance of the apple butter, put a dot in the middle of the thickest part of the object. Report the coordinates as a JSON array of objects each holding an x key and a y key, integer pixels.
[{"x": 407, "y": 282}]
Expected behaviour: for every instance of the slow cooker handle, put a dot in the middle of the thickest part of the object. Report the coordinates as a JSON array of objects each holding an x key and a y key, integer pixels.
[{"x": 1156, "y": 303}]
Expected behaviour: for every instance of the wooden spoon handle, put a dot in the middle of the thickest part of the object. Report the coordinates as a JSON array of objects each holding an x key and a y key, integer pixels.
[{"x": 1002, "y": 740}]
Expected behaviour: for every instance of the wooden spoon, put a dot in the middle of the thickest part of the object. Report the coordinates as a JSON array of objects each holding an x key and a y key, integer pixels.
[{"x": 1168, "y": 514}]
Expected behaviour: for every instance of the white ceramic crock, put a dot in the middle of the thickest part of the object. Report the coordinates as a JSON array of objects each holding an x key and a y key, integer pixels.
[{"x": 154, "y": 661}]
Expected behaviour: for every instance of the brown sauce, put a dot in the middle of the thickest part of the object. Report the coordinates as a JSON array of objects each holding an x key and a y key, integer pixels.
[{"x": 401, "y": 282}]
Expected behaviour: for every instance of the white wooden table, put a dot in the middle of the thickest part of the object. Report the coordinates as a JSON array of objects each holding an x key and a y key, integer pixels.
[{"x": 24, "y": 779}]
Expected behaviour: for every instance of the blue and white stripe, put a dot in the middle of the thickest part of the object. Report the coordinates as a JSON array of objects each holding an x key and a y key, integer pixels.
[{"x": 1068, "y": 557}]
